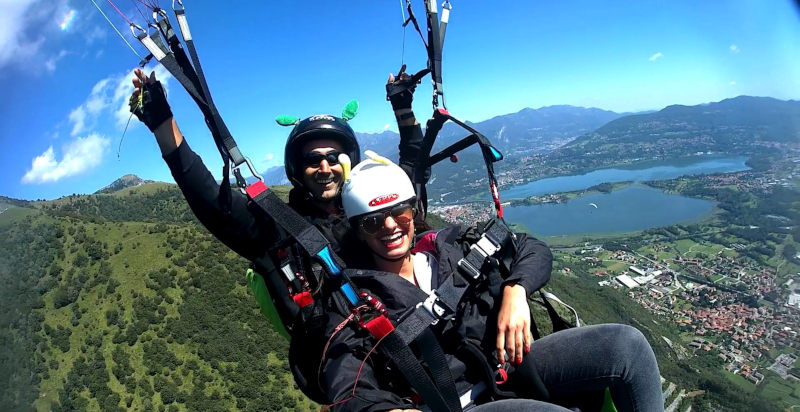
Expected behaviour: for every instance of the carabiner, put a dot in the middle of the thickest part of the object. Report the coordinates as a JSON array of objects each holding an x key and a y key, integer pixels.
[
  {"x": 157, "y": 12},
  {"x": 447, "y": 5},
  {"x": 180, "y": 4},
  {"x": 134, "y": 27},
  {"x": 249, "y": 166}
]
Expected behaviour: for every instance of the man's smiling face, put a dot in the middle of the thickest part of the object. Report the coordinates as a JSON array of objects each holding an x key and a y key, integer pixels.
[{"x": 322, "y": 179}]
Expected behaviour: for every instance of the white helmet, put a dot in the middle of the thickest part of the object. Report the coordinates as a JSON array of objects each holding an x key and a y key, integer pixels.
[{"x": 375, "y": 184}]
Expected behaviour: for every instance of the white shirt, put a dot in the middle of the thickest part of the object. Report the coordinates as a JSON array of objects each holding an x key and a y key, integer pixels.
[{"x": 425, "y": 268}]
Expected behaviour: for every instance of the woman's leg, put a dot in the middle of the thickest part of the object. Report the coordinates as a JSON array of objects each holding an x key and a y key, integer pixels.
[
  {"x": 514, "y": 405},
  {"x": 576, "y": 365}
]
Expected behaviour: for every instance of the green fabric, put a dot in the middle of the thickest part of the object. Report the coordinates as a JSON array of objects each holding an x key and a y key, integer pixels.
[
  {"x": 259, "y": 288},
  {"x": 350, "y": 110},
  {"x": 608, "y": 403},
  {"x": 287, "y": 120}
]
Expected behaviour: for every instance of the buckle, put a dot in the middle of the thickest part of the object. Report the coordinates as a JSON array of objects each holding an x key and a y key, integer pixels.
[
  {"x": 468, "y": 269},
  {"x": 485, "y": 246},
  {"x": 436, "y": 308}
]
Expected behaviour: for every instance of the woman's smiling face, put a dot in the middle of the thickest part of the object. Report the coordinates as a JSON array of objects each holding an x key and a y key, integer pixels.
[{"x": 389, "y": 232}]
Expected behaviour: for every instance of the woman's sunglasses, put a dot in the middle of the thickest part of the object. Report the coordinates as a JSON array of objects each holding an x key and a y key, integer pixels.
[
  {"x": 402, "y": 213},
  {"x": 314, "y": 158}
]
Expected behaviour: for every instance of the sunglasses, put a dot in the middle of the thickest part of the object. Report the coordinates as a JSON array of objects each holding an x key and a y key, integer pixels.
[
  {"x": 401, "y": 213},
  {"x": 314, "y": 158}
]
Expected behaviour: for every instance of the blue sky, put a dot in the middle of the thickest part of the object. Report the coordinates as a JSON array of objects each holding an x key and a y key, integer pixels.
[{"x": 65, "y": 73}]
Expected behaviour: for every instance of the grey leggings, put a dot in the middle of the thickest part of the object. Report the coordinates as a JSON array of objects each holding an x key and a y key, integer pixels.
[{"x": 576, "y": 365}]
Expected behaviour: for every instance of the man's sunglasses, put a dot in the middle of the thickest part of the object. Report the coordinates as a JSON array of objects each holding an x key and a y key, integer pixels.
[
  {"x": 314, "y": 158},
  {"x": 402, "y": 213}
]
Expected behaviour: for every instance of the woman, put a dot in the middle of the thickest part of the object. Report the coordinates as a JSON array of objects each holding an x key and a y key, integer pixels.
[{"x": 575, "y": 366}]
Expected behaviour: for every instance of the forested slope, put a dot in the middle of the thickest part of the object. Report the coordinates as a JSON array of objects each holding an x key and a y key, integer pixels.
[
  {"x": 123, "y": 301},
  {"x": 103, "y": 312}
]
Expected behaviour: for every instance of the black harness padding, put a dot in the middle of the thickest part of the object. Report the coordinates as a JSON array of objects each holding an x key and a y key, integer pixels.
[
  {"x": 284, "y": 304},
  {"x": 408, "y": 364},
  {"x": 433, "y": 355},
  {"x": 307, "y": 236}
]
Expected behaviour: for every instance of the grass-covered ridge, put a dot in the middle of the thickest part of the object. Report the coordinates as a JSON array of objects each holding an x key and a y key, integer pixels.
[{"x": 122, "y": 301}]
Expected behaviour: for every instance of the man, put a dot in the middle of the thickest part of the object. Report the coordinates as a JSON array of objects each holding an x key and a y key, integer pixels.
[
  {"x": 315, "y": 175},
  {"x": 312, "y": 167}
]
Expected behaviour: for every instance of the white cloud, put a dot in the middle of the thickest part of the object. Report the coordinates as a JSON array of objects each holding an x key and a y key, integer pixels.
[
  {"x": 386, "y": 126},
  {"x": 109, "y": 97},
  {"x": 733, "y": 83},
  {"x": 656, "y": 57},
  {"x": 78, "y": 119},
  {"x": 80, "y": 155},
  {"x": 123, "y": 89},
  {"x": 50, "y": 64},
  {"x": 24, "y": 26},
  {"x": 734, "y": 49},
  {"x": 269, "y": 156}
]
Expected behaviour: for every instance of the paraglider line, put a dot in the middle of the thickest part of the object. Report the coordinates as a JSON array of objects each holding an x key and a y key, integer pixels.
[
  {"x": 139, "y": 10},
  {"x": 403, "y": 52},
  {"x": 115, "y": 29},
  {"x": 120, "y": 13}
]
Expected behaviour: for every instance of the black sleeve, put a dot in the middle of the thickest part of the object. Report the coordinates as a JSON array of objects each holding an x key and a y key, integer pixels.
[
  {"x": 410, "y": 145},
  {"x": 344, "y": 369},
  {"x": 532, "y": 264},
  {"x": 237, "y": 228}
]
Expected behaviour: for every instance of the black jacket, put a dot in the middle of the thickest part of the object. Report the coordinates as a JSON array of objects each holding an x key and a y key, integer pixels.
[
  {"x": 245, "y": 232},
  {"x": 380, "y": 386}
]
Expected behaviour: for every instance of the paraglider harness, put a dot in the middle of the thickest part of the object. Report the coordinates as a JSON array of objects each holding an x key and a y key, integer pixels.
[{"x": 302, "y": 242}]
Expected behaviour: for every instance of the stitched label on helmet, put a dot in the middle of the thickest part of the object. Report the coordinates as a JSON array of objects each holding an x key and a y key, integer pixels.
[
  {"x": 381, "y": 200},
  {"x": 322, "y": 117}
]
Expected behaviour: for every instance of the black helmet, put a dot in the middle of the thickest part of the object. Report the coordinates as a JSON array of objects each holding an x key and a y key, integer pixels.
[{"x": 321, "y": 126}]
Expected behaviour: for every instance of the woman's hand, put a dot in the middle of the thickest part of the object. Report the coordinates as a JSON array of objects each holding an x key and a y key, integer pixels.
[{"x": 514, "y": 324}]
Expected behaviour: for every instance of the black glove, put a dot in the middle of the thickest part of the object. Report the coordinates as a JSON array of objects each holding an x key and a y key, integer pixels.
[
  {"x": 401, "y": 92},
  {"x": 154, "y": 108}
]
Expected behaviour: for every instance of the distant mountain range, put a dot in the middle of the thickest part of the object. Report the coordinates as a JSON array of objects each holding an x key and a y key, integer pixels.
[
  {"x": 736, "y": 126},
  {"x": 568, "y": 139},
  {"x": 527, "y": 131}
]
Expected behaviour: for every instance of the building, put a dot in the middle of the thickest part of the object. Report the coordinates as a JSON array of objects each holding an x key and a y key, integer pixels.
[{"x": 626, "y": 281}]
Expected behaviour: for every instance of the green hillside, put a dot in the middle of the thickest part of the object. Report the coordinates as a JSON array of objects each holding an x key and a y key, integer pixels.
[
  {"x": 123, "y": 301},
  {"x": 103, "y": 312}
]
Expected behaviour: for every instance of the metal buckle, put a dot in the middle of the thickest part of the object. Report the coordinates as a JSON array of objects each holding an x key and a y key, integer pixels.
[
  {"x": 436, "y": 308},
  {"x": 237, "y": 173},
  {"x": 470, "y": 270}
]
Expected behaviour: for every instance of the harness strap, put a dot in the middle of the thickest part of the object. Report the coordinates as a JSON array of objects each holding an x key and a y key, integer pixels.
[
  {"x": 434, "y": 50},
  {"x": 225, "y": 138},
  {"x": 400, "y": 353},
  {"x": 434, "y": 356},
  {"x": 308, "y": 237}
]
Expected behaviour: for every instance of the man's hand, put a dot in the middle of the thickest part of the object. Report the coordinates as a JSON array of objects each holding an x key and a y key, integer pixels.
[
  {"x": 148, "y": 101},
  {"x": 400, "y": 89},
  {"x": 514, "y": 324}
]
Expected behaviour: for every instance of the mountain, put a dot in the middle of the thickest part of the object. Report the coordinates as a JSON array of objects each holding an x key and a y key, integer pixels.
[
  {"x": 739, "y": 125},
  {"x": 124, "y": 302},
  {"x": 122, "y": 183},
  {"x": 534, "y": 130},
  {"x": 275, "y": 175},
  {"x": 516, "y": 134}
]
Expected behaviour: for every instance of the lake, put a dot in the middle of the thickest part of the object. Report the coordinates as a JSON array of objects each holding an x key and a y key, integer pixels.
[
  {"x": 636, "y": 207},
  {"x": 662, "y": 170}
]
